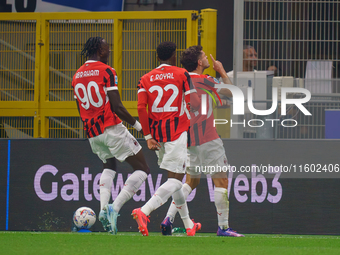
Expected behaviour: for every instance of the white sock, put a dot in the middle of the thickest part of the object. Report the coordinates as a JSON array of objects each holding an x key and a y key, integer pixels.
[
  {"x": 105, "y": 184},
  {"x": 161, "y": 195},
  {"x": 222, "y": 207},
  {"x": 181, "y": 206},
  {"x": 131, "y": 186},
  {"x": 186, "y": 189}
]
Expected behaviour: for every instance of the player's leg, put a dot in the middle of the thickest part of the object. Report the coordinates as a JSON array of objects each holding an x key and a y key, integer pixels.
[
  {"x": 135, "y": 180},
  {"x": 180, "y": 152},
  {"x": 222, "y": 205},
  {"x": 130, "y": 188},
  {"x": 163, "y": 193},
  {"x": 125, "y": 147},
  {"x": 181, "y": 204},
  {"x": 109, "y": 164},
  {"x": 160, "y": 197},
  {"x": 172, "y": 157},
  {"x": 105, "y": 184},
  {"x": 106, "y": 180},
  {"x": 173, "y": 186},
  {"x": 192, "y": 180},
  {"x": 190, "y": 184},
  {"x": 221, "y": 199},
  {"x": 216, "y": 157}
]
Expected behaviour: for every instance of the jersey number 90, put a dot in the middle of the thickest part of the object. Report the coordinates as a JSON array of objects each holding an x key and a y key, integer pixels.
[{"x": 87, "y": 97}]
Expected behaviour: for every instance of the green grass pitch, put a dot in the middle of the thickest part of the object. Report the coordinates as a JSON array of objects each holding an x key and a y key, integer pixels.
[{"x": 133, "y": 243}]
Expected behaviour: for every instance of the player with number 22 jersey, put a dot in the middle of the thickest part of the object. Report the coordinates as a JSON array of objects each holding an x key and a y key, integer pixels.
[
  {"x": 164, "y": 90},
  {"x": 163, "y": 95}
]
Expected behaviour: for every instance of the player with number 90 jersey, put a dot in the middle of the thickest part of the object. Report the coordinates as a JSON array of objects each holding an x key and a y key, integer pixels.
[
  {"x": 165, "y": 90},
  {"x": 91, "y": 83}
]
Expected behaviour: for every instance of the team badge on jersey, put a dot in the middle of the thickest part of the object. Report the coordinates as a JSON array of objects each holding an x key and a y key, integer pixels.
[
  {"x": 134, "y": 141},
  {"x": 215, "y": 80}
]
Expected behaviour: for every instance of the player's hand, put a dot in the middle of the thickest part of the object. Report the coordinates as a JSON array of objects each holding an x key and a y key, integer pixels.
[
  {"x": 153, "y": 144},
  {"x": 190, "y": 109},
  {"x": 224, "y": 103},
  {"x": 217, "y": 65}
]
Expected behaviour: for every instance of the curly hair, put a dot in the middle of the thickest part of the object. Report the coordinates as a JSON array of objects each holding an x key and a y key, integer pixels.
[
  {"x": 189, "y": 57},
  {"x": 165, "y": 50},
  {"x": 91, "y": 47}
]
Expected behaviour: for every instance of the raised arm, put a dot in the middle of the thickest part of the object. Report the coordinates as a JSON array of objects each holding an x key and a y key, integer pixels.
[{"x": 218, "y": 67}]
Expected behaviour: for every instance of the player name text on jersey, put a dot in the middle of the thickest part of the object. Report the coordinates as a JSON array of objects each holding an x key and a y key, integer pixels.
[
  {"x": 162, "y": 76},
  {"x": 87, "y": 73}
]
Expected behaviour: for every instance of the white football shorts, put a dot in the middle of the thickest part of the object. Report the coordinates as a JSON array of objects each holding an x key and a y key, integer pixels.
[
  {"x": 116, "y": 141},
  {"x": 172, "y": 156},
  {"x": 208, "y": 158}
]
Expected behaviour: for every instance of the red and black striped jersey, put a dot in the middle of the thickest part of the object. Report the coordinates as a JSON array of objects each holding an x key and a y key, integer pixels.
[
  {"x": 165, "y": 90},
  {"x": 90, "y": 84},
  {"x": 202, "y": 128}
]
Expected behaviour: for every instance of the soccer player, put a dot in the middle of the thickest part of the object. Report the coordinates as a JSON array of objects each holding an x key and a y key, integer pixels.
[
  {"x": 205, "y": 145},
  {"x": 165, "y": 91},
  {"x": 101, "y": 110}
]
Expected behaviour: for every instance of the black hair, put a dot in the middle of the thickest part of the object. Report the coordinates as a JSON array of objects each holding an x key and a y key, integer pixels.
[
  {"x": 165, "y": 50},
  {"x": 92, "y": 46},
  {"x": 189, "y": 57}
]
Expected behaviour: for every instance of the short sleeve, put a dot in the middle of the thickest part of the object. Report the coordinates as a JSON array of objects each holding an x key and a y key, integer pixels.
[
  {"x": 111, "y": 79},
  {"x": 74, "y": 92},
  {"x": 188, "y": 87},
  {"x": 140, "y": 86}
]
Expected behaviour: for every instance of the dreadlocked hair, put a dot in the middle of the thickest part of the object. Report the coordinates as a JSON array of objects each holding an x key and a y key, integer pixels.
[{"x": 91, "y": 47}]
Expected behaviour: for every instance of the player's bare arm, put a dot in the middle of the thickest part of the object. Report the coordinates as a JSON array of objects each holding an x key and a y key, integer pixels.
[
  {"x": 218, "y": 67},
  {"x": 78, "y": 107},
  {"x": 118, "y": 107}
]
